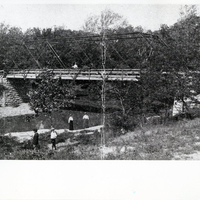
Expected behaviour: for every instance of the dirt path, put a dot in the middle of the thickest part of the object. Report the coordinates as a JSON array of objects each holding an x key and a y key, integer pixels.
[{"x": 22, "y": 136}]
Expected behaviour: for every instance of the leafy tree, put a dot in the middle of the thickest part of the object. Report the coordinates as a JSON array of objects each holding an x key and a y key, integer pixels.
[
  {"x": 4, "y": 44},
  {"x": 50, "y": 94},
  {"x": 188, "y": 11},
  {"x": 103, "y": 22},
  {"x": 169, "y": 69},
  {"x": 126, "y": 97}
]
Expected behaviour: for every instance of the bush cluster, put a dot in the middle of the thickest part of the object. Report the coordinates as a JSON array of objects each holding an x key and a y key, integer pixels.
[{"x": 118, "y": 122}]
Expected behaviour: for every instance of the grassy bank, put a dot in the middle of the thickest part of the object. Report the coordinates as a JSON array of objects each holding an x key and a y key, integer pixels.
[
  {"x": 159, "y": 142},
  {"x": 173, "y": 141}
]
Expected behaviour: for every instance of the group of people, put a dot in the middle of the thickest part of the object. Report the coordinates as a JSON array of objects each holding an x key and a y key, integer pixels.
[
  {"x": 85, "y": 121},
  {"x": 54, "y": 134}
]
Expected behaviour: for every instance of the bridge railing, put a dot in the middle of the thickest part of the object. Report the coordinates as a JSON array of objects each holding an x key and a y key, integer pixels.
[
  {"x": 115, "y": 71},
  {"x": 83, "y": 72},
  {"x": 93, "y": 74}
]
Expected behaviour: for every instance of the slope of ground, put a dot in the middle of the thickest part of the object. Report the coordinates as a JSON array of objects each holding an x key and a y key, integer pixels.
[
  {"x": 176, "y": 141},
  {"x": 23, "y": 109}
]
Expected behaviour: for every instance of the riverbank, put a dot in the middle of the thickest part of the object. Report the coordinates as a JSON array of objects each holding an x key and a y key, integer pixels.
[{"x": 179, "y": 141}]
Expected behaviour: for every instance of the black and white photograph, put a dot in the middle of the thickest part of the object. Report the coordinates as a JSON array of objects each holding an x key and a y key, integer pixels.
[{"x": 100, "y": 82}]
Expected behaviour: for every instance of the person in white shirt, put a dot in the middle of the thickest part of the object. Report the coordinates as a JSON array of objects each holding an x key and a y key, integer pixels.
[
  {"x": 53, "y": 137},
  {"x": 85, "y": 120},
  {"x": 70, "y": 122},
  {"x": 75, "y": 66}
]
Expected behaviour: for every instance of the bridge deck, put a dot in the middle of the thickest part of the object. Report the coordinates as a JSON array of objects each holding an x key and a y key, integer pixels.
[{"x": 70, "y": 74}]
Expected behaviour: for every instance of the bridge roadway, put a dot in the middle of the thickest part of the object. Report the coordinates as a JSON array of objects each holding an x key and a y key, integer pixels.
[{"x": 70, "y": 74}]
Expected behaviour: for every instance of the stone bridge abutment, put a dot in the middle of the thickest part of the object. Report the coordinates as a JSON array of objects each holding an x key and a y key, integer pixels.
[{"x": 14, "y": 91}]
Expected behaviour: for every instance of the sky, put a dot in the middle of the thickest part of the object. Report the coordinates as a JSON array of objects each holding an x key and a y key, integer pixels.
[{"x": 72, "y": 16}]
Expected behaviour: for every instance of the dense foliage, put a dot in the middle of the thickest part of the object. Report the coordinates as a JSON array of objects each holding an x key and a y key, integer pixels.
[
  {"x": 49, "y": 94},
  {"x": 161, "y": 55}
]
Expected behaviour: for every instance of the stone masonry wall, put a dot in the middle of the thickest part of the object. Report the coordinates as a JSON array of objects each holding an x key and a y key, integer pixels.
[{"x": 15, "y": 93}]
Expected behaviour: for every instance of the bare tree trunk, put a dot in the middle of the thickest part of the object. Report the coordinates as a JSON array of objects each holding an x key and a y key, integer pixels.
[
  {"x": 103, "y": 95},
  {"x": 123, "y": 108},
  {"x": 103, "y": 112}
]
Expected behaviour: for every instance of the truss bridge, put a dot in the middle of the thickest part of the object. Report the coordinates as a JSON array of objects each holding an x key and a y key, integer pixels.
[{"x": 76, "y": 74}]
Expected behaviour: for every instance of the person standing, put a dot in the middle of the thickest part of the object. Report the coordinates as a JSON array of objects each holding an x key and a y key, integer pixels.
[
  {"x": 35, "y": 140},
  {"x": 53, "y": 137},
  {"x": 75, "y": 66},
  {"x": 41, "y": 125},
  {"x": 70, "y": 122},
  {"x": 85, "y": 120}
]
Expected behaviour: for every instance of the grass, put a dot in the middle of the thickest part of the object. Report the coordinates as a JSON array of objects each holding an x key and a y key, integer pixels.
[{"x": 160, "y": 142}]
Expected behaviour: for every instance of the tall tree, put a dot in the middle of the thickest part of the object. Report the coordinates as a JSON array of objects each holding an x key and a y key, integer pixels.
[
  {"x": 179, "y": 54},
  {"x": 107, "y": 20},
  {"x": 187, "y": 11}
]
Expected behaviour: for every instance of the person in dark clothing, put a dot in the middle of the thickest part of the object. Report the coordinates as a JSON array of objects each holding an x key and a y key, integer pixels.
[
  {"x": 70, "y": 122},
  {"x": 35, "y": 140}
]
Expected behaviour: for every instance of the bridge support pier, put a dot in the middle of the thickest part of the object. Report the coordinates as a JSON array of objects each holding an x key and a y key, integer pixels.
[{"x": 13, "y": 93}]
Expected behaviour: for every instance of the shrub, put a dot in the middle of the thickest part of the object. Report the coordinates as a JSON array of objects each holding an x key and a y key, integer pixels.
[
  {"x": 86, "y": 139},
  {"x": 27, "y": 145},
  {"x": 29, "y": 155},
  {"x": 193, "y": 113},
  {"x": 117, "y": 122},
  {"x": 8, "y": 144},
  {"x": 153, "y": 148}
]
